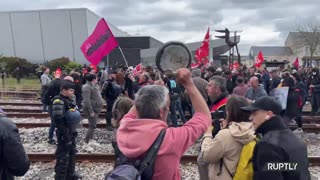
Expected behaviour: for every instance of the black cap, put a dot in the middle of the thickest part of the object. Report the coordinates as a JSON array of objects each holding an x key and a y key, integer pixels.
[
  {"x": 66, "y": 84},
  {"x": 266, "y": 103}
]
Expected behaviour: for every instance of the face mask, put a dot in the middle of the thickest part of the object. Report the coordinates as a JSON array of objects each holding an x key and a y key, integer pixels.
[{"x": 314, "y": 73}]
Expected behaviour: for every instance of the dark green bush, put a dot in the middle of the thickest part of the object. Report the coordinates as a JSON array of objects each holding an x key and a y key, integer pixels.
[
  {"x": 11, "y": 63},
  {"x": 60, "y": 62},
  {"x": 72, "y": 65}
]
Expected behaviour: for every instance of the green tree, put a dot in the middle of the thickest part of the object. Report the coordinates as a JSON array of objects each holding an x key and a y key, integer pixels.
[
  {"x": 72, "y": 65},
  {"x": 56, "y": 63}
]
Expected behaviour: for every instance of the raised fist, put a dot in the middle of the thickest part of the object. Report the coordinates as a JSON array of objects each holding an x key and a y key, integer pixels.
[{"x": 184, "y": 76}]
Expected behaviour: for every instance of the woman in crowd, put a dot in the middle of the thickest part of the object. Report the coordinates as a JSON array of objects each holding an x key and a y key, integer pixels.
[
  {"x": 294, "y": 103},
  {"x": 223, "y": 151},
  {"x": 120, "y": 108}
]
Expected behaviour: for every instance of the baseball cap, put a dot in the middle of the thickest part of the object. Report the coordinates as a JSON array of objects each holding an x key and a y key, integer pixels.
[{"x": 266, "y": 103}]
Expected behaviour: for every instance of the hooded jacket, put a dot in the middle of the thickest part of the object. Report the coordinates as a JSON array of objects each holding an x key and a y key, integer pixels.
[
  {"x": 135, "y": 136},
  {"x": 226, "y": 147},
  {"x": 14, "y": 160},
  {"x": 279, "y": 144}
]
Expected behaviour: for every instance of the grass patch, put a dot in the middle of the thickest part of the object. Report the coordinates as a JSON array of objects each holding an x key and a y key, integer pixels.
[{"x": 11, "y": 84}]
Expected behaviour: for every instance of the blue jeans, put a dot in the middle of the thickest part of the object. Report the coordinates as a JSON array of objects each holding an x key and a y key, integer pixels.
[{"x": 52, "y": 126}]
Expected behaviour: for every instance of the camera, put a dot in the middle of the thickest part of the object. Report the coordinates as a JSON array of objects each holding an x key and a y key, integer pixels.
[{"x": 216, "y": 116}]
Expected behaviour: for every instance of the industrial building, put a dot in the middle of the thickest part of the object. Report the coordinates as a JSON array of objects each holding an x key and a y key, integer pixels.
[{"x": 42, "y": 35}]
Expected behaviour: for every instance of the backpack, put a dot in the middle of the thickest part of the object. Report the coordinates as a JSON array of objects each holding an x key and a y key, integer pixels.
[
  {"x": 303, "y": 92},
  {"x": 244, "y": 168},
  {"x": 301, "y": 98},
  {"x": 138, "y": 169},
  {"x": 111, "y": 90}
]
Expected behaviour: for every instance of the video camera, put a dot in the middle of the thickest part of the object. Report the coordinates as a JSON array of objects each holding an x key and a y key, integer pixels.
[{"x": 216, "y": 116}]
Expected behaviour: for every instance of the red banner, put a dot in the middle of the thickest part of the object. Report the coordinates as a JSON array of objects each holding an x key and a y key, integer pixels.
[
  {"x": 259, "y": 60},
  {"x": 296, "y": 63},
  {"x": 234, "y": 66},
  {"x": 202, "y": 53},
  {"x": 100, "y": 43}
]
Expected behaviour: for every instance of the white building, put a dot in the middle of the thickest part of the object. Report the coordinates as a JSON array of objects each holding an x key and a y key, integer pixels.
[
  {"x": 297, "y": 41},
  {"x": 42, "y": 35}
]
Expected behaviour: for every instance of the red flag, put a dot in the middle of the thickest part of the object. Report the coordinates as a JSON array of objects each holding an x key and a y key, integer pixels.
[
  {"x": 84, "y": 71},
  {"x": 234, "y": 65},
  {"x": 135, "y": 71},
  {"x": 202, "y": 53},
  {"x": 195, "y": 65},
  {"x": 57, "y": 73},
  {"x": 94, "y": 67},
  {"x": 259, "y": 60},
  {"x": 100, "y": 43},
  {"x": 296, "y": 63}
]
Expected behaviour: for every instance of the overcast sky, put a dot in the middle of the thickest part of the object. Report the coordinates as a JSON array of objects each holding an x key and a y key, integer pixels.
[{"x": 262, "y": 22}]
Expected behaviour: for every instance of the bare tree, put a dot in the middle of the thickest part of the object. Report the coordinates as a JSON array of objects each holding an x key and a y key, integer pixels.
[{"x": 309, "y": 35}]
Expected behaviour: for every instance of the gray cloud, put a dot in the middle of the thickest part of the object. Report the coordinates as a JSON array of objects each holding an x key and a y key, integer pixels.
[{"x": 180, "y": 19}]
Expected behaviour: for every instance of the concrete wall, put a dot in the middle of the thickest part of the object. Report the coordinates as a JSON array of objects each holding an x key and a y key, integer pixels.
[
  {"x": 79, "y": 33},
  {"x": 132, "y": 56},
  {"x": 43, "y": 35},
  {"x": 6, "y": 41},
  {"x": 27, "y": 35},
  {"x": 57, "y": 34}
]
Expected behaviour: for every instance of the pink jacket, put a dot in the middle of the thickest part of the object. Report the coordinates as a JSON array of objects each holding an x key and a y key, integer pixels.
[{"x": 135, "y": 136}]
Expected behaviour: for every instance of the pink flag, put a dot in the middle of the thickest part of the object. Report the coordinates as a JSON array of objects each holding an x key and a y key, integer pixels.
[
  {"x": 135, "y": 71},
  {"x": 100, "y": 43}
]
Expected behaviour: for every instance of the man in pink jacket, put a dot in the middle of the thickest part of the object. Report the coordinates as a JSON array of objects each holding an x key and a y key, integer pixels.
[{"x": 141, "y": 126}]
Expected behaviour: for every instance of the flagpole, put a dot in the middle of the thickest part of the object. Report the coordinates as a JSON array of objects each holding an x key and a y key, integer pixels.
[
  {"x": 210, "y": 50},
  {"x": 125, "y": 60}
]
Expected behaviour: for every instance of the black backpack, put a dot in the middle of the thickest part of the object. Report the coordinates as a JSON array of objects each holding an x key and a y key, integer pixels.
[
  {"x": 137, "y": 169},
  {"x": 111, "y": 90}
]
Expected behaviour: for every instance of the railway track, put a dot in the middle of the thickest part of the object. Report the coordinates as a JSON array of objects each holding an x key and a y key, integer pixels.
[
  {"x": 308, "y": 128},
  {"x": 38, "y": 104},
  {"x": 20, "y": 94},
  {"x": 42, "y": 157},
  {"x": 39, "y": 115},
  {"x": 26, "y": 111},
  {"x": 306, "y": 119}
]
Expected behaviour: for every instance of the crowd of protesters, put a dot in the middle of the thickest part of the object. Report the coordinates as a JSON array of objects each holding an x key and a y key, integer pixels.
[{"x": 228, "y": 109}]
